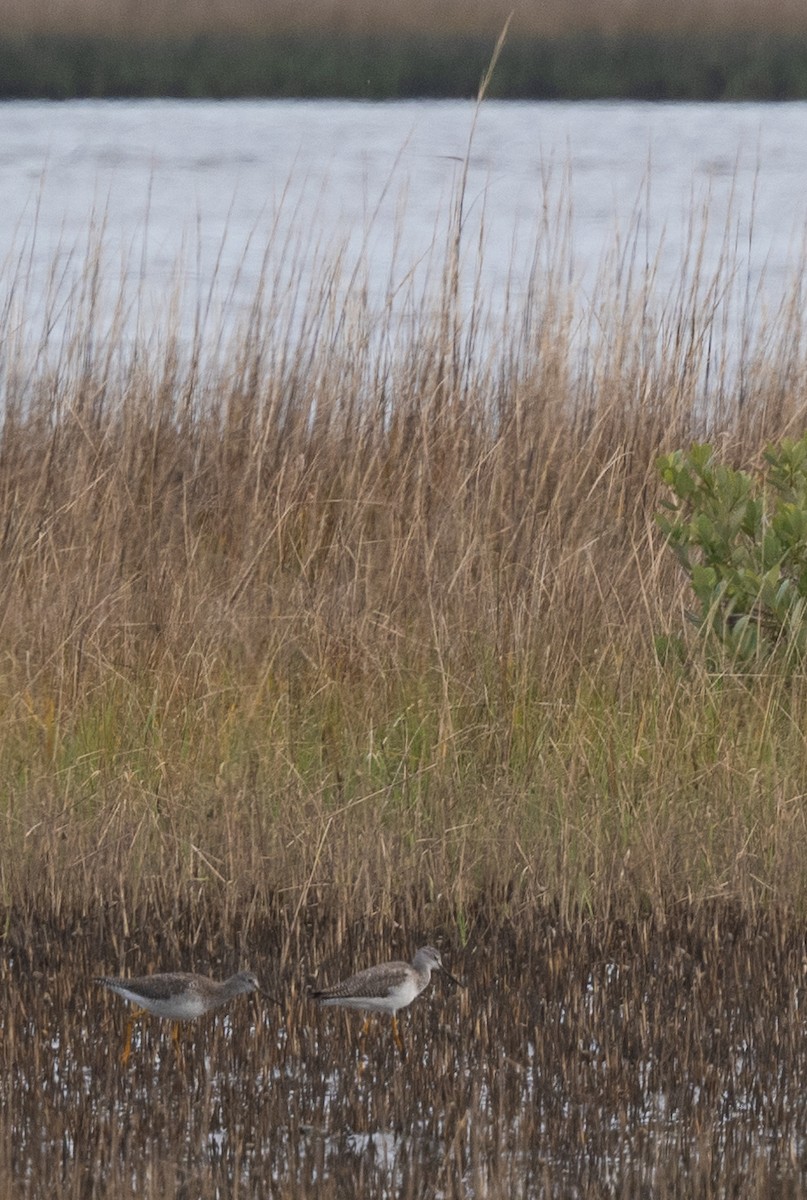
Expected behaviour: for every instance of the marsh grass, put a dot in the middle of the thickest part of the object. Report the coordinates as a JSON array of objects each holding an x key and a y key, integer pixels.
[
  {"x": 707, "y": 50},
  {"x": 334, "y": 632},
  {"x": 358, "y": 606},
  {"x": 584, "y": 1058},
  {"x": 160, "y": 18}
]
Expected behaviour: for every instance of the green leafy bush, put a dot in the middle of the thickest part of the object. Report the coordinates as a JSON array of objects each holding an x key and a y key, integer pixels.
[{"x": 742, "y": 540}]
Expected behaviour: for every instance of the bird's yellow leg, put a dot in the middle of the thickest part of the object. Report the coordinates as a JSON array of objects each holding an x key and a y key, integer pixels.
[
  {"x": 127, "y": 1048},
  {"x": 127, "y": 1044},
  {"x": 365, "y": 1027},
  {"x": 175, "y": 1039},
  {"x": 396, "y": 1033}
]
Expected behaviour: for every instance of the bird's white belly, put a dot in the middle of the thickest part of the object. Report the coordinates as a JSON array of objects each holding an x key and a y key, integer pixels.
[
  {"x": 178, "y": 1008},
  {"x": 396, "y": 998}
]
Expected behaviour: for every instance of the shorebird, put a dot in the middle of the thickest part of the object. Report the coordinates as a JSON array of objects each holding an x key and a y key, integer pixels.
[
  {"x": 385, "y": 988},
  {"x": 179, "y": 996}
]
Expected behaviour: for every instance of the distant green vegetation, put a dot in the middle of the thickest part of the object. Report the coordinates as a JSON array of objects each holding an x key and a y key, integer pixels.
[{"x": 577, "y": 66}]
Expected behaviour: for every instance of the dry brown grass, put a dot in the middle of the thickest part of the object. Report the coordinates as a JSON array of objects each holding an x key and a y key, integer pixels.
[
  {"x": 370, "y": 607},
  {"x": 147, "y": 18}
]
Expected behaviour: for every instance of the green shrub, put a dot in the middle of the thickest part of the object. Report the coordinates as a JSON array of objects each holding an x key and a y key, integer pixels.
[{"x": 742, "y": 540}]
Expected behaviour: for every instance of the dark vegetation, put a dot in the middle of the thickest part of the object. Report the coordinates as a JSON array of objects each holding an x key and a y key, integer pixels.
[{"x": 576, "y": 66}]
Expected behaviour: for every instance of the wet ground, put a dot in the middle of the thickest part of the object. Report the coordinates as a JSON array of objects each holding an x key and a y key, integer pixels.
[{"x": 662, "y": 1057}]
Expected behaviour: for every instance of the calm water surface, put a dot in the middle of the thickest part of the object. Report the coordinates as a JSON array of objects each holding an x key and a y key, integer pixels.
[{"x": 212, "y": 193}]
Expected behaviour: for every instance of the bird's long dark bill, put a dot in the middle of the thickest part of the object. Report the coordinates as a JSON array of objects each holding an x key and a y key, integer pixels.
[
  {"x": 267, "y": 996},
  {"x": 453, "y": 978}
]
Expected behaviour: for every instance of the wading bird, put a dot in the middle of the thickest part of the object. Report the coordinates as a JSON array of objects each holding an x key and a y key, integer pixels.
[
  {"x": 385, "y": 988},
  {"x": 178, "y": 997}
]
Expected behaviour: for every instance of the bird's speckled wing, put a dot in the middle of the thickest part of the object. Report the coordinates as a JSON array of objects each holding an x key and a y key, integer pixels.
[
  {"x": 152, "y": 987},
  {"x": 373, "y": 983}
]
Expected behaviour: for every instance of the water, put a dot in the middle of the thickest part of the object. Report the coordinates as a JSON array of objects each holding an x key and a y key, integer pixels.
[
  {"x": 608, "y": 1058},
  {"x": 196, "y": 199}
]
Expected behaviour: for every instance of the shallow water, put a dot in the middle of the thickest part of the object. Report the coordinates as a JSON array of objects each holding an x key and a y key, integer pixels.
[
  {"x": 206, "y": 197},
  {"x": 627, "y": 1059}
]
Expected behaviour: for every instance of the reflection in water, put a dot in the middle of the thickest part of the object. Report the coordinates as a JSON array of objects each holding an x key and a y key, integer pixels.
[{"x": 637, "y": 1059}]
